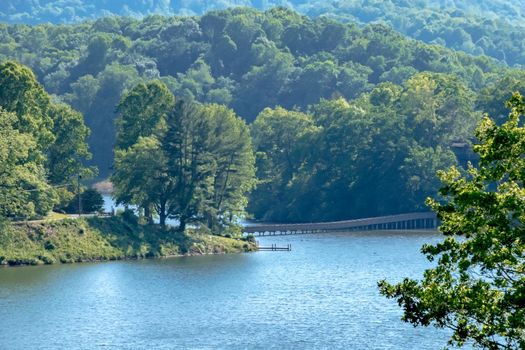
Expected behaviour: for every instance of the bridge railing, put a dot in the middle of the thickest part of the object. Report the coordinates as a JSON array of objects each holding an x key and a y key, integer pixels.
[{"x": 392, "y": 222}]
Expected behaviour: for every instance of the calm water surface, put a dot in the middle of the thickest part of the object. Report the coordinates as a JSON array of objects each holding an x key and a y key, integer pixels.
[{"x": 322, "y": 295}]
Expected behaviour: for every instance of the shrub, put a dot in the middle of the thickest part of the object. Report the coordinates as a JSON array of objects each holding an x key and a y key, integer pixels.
[
  {"x": 250, "y": 238},
  {"x": 91, "y": 201},
  {"x": 128, "y": 215}
]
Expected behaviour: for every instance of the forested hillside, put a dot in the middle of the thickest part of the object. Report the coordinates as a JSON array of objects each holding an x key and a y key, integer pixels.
[
  {"x": 242, "y": 58},
  {"x": 64, "y": 11},
  {"x": 493, "y": 28},
  {"x": 375, "y": 155},
  {"x": 479, "y": 28},
  {"x": 346, "y": 121}
]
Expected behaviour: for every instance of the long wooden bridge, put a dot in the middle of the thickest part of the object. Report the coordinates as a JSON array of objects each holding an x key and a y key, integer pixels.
[{"x": 412, "y": 221}]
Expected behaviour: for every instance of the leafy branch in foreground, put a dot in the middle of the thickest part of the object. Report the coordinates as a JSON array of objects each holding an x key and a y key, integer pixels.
[{"x": 477, "y": 288}]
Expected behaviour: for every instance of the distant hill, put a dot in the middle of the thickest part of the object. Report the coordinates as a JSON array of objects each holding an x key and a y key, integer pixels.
[
  {"x": 66, "y": 11},
  {"x": 494, "y": 28}
]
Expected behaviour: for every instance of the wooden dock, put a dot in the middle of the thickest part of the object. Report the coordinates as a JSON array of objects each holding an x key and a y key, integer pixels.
[
  {"x": 275, "y": 248},
  {"x": 412, "y": 221}
]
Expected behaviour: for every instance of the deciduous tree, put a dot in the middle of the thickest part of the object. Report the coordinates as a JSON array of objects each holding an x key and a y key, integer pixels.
[
  {"x": 477, "y": 286},
  {"x": 24, "y": 192},
  {"x": 199, "y": 169}
]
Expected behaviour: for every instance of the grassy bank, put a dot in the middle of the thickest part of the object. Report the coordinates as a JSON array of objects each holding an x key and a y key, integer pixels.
[{"x": 99, "y": 239}]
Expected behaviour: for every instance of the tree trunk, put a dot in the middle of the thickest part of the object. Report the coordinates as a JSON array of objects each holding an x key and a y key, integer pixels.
[
  {"x": 147, "y": 214},
  {"x": 182, "y": 224},
  {"x": 162, "y": 215}
]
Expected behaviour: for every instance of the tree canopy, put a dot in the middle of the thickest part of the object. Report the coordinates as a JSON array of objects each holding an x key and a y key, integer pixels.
[
  {"x": 352, "y": 158},
  {"x": 477, "y": 286},
  {"x": 23, "y": 189},
  {"x": 191, "y": 162},
  {"x": 42, "y": 145},
  {"x": 242, "y": 58},
  {"x": 482, "y": 27},
  {"x": 383, "y": 110}
]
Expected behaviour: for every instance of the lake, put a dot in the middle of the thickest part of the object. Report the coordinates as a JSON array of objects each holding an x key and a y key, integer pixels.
[{"x": 321, "y": 295}]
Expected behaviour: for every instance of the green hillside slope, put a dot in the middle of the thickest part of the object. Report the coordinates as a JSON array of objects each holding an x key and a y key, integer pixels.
[{"x": 99, "y": 239}]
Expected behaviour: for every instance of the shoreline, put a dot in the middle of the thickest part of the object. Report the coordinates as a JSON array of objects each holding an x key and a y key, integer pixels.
[
  {"x": 108, "y": 239},
  {"x": 97, "y": 261}
]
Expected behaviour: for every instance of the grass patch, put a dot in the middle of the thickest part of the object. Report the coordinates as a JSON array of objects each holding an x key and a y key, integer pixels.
[
  {"x": 55, "y": 216},
  {"x": 99, "y": 239}
]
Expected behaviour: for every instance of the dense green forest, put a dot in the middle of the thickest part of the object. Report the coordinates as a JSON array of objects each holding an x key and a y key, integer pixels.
[
  {"x": 346, "y": 121},
  {"x": 242, "y": 58},
  {"x": 493, "y": 28},
  {"x": 42, "y": 146},
  {"x": 183, "y": 160},
  {"x": 64, "y": 11},
  {"x": 356, "y": 158},
  {"x": 482, "y": 28}
]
